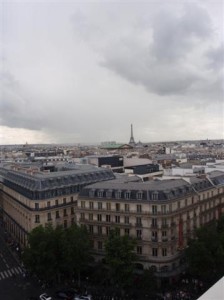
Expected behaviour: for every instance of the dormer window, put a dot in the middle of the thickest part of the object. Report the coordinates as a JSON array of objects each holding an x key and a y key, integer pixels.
[
  {"x": 100, "y": 194},
  {"x": 109, "y": 194},
  {"x": 154, "y": 196},
  {"x": 127, "y": 195},
  {"x": 139, "y": 195},
  {"x": 118, "y": 194},
  {"x": 91, "y": 193}
]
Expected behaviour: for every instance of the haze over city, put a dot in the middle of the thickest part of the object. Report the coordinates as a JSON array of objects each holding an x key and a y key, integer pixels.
[{"x": 82, "y": 72}]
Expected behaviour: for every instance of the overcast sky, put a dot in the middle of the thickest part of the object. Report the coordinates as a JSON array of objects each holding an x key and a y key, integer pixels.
[{"x": 84, "y": 71}]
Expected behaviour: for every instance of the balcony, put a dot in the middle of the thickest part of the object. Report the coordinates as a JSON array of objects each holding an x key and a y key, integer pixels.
[
  {"x": 138, "y": 224},
  {"x": 164, "y": 226},
  {"x": 164, "y": 239},
  {"x": 154, "y": 226},
  {"x": 154, "y": 239}
]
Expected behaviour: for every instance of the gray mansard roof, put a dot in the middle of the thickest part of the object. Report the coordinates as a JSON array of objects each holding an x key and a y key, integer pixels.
[
  {"x": 40, "y": 181},
  {"x": 151, "y": 190}
]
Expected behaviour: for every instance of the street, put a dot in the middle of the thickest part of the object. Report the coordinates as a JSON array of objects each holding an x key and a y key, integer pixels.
[{"x": 13, "y": 284}]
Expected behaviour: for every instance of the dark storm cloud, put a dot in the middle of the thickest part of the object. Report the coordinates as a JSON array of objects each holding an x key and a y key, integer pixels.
[
  {"x": 175, "y": 59},
  {"x": 175, "y": 34}
]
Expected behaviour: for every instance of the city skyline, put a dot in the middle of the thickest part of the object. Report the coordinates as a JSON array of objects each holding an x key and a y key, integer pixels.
[{"x": 82, "y": 72}]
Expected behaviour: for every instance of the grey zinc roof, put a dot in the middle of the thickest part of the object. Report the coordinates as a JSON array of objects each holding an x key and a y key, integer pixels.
[
  {"x": 217, "y": 177},
  {"x": 163, "y": 189},
  {"x": 43, "y": 181},
  {"x": 154, "y": 185}
]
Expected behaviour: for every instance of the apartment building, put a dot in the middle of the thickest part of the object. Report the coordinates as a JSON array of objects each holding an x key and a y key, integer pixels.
[
  {"x": 29, "y": 197},
  {"x": 161, "y": 214}
]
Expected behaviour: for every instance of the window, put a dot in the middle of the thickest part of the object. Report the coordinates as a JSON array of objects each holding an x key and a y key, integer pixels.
[
  {"x": 57, "y": 214},
  {"x": 164, "y": 252},
  {"x": 90, "y": 228},
  {"x": 185, "y": 202},
  {"x": 72, "y": 221},
  {"x": 139, "y": 208},
  {"x": 99, "y": 228},
  {"x": 126, "y": 207},
  {"x": 72, "y": 199},
  {"x": 56, "y": 202},
  {"x": 126, "y": 219},
  {"x": 139, "y": 234},
  {"x": 99, "y": 218},
  {"x": 90, "y": 217},
  {"x": 100, "y": 205},
  {"x": 154, "y": 209},
  {"x": 127, "y": 195},
  {"x": 154, "y": 222},
  {"x": 117, "y": 219},
  {"x": 82, "y": 216},
  {"x": 154, "y": 236},
  {"x": 127, "y": 231},
  {"x": 37, "y": 218},
  {"x": 163, "y": 209},
  {"x": 107, "y": 231},
  {"x": 100, "y": 194},
  {"x": 163, "y": 233},
  {"x": 117, "y": 206},
  {"x": 64, "y": 200},
  {"x": 138, "y": 221},
  {"x": 48, "y": 203},
  {"x": 107, "y": 218},
  {"x": 83, "y": 204},
  {"x": 72, "y": 210},
  {"x": 118, "y": 194},
  {"x": 65, "y": 212},
  {"x": 154, "y": 252},
  {"x": 36, "y": 205},
  {"x": 139, "y": 195},
  {"x": 154, "y": 196},
  {"x": 164, "y": 222},
  {"x": 100, "y": 245},
  {"x": 91, "y": 205},
  {"x": 118, "y": 231},
  {"x": 49, "y": 216},
  {"x": 139, "y": 250},
  {"x": 65, "y": 223},
  {"x": 108, "y": 206}
]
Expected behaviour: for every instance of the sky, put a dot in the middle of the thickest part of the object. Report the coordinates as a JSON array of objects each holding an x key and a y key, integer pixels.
[{"x": 84, "y": 71}]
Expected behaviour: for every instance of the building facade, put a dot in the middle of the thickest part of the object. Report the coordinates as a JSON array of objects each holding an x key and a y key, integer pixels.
[
  {"x": 162, "y": 215},
  {"x": 29, "y": 197}
]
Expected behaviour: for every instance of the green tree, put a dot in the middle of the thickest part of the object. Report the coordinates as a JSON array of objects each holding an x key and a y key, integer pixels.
[
  {"x": 76, "y": 250},
  {"x": 52, "y": 253},
  {"x": 120, "y": 257},
  {"x": 205, "y": 254}
]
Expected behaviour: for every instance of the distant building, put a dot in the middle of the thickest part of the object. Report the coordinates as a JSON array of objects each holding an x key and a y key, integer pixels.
[{"x": 114, "y": 162}]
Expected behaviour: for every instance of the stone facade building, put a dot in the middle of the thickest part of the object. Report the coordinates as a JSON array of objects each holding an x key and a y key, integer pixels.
[
  {"x": 29, "y": 197},
  {"x": 161, "y": 214}
]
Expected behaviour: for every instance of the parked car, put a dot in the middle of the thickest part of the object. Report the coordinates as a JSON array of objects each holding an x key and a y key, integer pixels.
[
  {"x": 87, "y": 297},
  {"x": 65, "y": 294},
  {"x": 44, "y": 296}
]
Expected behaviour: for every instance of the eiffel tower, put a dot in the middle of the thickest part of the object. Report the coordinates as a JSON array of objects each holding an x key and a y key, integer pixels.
[{"x": 132, "y": 141}]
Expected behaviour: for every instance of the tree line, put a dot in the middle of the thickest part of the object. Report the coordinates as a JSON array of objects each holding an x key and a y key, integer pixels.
[{"x": 61, "y": 255}]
